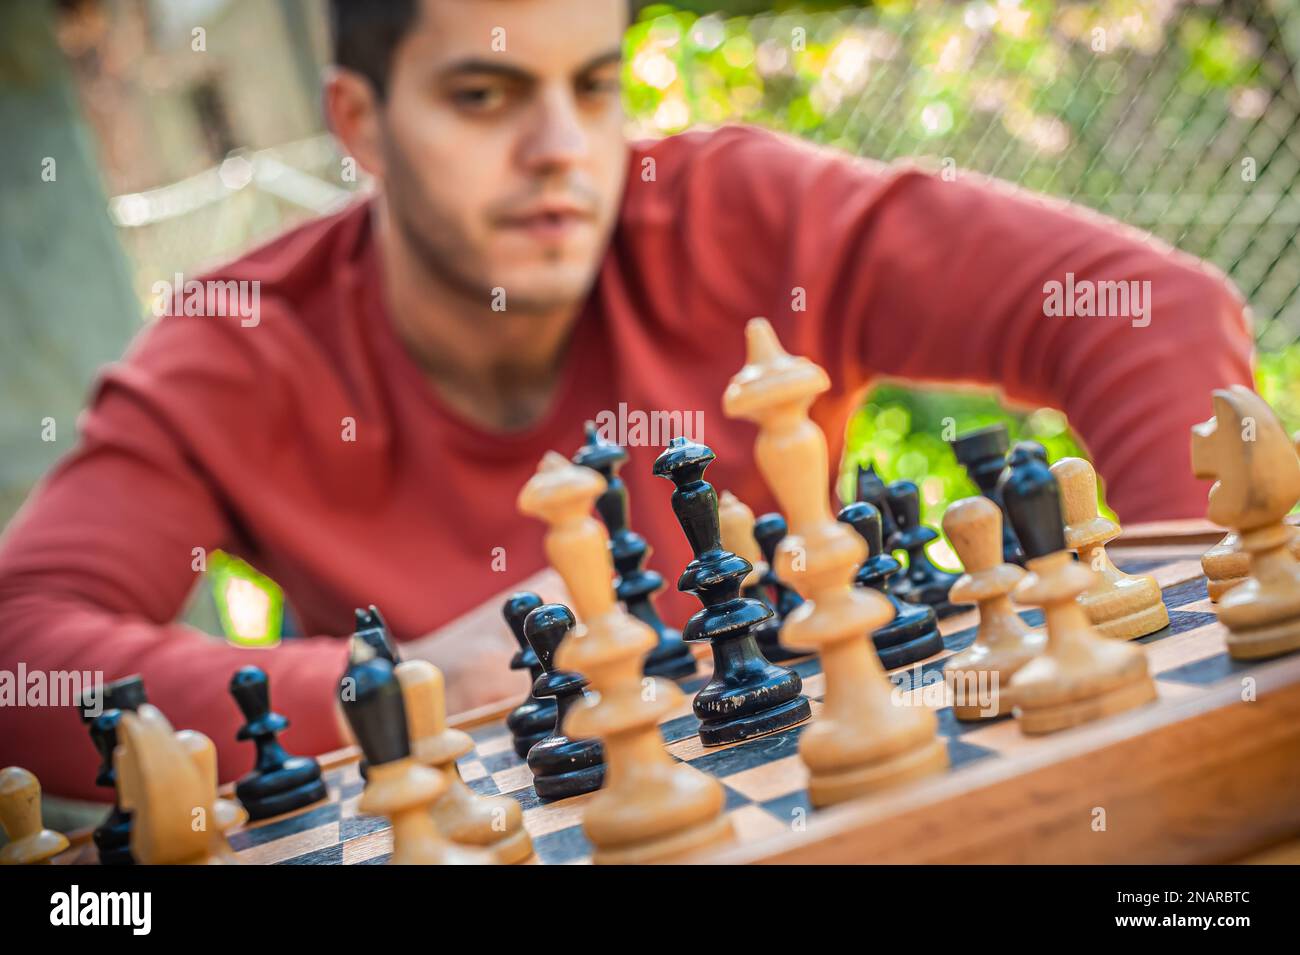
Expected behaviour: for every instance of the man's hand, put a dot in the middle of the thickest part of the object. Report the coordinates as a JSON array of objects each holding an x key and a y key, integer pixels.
[{"x": 474, "y": 650}]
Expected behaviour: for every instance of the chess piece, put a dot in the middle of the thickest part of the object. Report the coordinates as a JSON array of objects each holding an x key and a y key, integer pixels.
[
  {"x": 530, "y": 721},
  {"x": 979, "y": 677},
  {"x": 278, "y": 782},
  {"x": 769, "y": 530},
  {"x": 371, "y": 629},
  {"x": 1120, "y": 605},
  {"x": 634, "y": 584},
  {"x": 227, "y": 815},
  {"x": 922, "y": 583},
  {"x": 1257, "y": 482},
  {"x": 1081, "y": 675},
  {"x": 747, "y": 696},
  {"x": 1031, "y": 448},
  {"x": 736, "y": 521},
  {"x": 1226, "y": 564},
  {"x": 124, "y": 694},
  {"x": 112, "y": 837},
  {"x": 983, "y": 453},
  {"x": 913, "y": 634},
  {"x": 165, "y": 781},
  {"x": 561, "y": 767},
  {"x": 100, "y": 711},
  {"x": 861, "y": 740},
  {"x": 397, "y": 786},
  {"x": 651, "y": 809},
  {"x": 30, "y": 843},
  {"x": 871, "y": 490},
  {"x": 491, "y": 823}
]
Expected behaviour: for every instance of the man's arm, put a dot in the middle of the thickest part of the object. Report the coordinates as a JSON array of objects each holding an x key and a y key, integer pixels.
[
  {"x": 907, "y": 274},
  {"x": 98, "y": 563}
]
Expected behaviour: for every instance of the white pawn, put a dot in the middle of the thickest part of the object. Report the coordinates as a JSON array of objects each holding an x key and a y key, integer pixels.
[
  {"x": 30, "y": 843},
  {"x": 980, "y": 676}
]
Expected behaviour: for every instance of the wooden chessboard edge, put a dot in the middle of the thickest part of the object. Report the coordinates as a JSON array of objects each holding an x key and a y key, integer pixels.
[
  {"x": 1191, "y": 530},
  {"x": 1204, "y": 779}
]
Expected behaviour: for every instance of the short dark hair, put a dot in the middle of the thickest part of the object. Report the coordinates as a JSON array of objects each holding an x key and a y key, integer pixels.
[{"x": 366, "y": 32}]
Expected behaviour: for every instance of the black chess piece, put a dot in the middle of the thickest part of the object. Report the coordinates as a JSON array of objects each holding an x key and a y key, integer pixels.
[
  {"x": 561, "y": 767},
  {"x": 371, "y": 629},
  {"x": 124, "y": 694},
  {"x": 635, "y": 584},
  {"x": 767, "y": 633},
  {"x": 101, "y": 711},
  {"x": 278, "y": 782},
  {"x": 747, "y": 696},
  {"x": 983, "y": 453},
  {"x": 371, "y": 699},
  {"x": 1031, "y": 449},
  {"x": 112, "y": 837},
  {"x": 913, "y": 634},
  {"x": 531, "y": 721},
  {"x": 769, "y": 530},
  {"x": 1033, "y": 500},
  {"x": 923, "y": 582},
  {"x": 871, "y": 489}
]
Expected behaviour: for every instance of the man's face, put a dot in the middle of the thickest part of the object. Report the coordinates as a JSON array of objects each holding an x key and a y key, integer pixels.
[{"x": 503, "y": 157}]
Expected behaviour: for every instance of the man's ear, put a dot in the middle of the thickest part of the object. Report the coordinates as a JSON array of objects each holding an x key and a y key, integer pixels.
[{"x": 352, "y": 112}]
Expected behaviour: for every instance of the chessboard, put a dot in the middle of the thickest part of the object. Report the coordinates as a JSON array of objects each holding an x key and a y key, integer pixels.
[{"x": 1209, "y": 772}]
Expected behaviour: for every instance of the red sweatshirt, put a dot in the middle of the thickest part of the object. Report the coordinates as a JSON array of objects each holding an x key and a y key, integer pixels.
[{"x": 211, "y": 434}]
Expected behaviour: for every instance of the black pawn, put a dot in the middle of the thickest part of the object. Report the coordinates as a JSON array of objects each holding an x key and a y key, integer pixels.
[
  {"x": 872, "y": 490},
  {"x": 747, "y": 696},
  {"x": 635, "y": 584},
  {"x": 532, "y": 720},
  {"x": 371, "y": 698},
  {"x": 112, "y": 836},
  {"x": 769, "y": 531},
  {"x": 371, "y": 629},
  {"x": 278, "y": 782},
  {"x": 1033, "y": 502},
  {"x": 983, "y": 453},
  {"x": 923, "y": 583},
  {"x": 101, "y": 712},
  {"x": 913, "y": 634},
  {"x": 561, "y": 767}
]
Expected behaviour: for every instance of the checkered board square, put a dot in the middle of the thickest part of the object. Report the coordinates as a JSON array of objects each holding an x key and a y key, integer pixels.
[{"x": 763, "y": 779}]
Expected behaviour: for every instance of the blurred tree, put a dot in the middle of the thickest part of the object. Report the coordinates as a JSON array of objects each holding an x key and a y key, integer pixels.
[{"x": 68, "y": 302}]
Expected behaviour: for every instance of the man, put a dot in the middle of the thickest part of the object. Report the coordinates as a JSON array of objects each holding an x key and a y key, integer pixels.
[{"x": 521, "y": 269}]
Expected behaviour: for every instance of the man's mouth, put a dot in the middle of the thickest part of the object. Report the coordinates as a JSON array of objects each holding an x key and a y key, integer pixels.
[{"x": 549, "y": 223}]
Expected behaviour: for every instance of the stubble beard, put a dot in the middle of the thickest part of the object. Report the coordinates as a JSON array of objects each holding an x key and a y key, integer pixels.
[{"x": 440, "y": 248}]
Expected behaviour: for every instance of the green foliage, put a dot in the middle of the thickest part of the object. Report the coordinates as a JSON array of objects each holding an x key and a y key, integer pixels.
[
  {"x": 905, "y": 433},
  {"x": 1278, "y": 381}
]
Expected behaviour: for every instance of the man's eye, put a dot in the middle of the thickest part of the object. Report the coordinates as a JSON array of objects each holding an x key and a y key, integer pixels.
[
  {"x": 601, "y": 86},
  {"x": 478, "y": 98}
]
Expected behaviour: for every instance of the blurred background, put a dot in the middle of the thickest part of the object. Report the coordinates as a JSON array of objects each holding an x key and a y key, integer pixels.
[{"x": 191, "y": 129}]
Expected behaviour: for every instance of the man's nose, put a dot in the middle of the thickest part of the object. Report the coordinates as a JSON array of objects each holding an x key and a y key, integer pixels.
[{"x": 555, "y": 137}]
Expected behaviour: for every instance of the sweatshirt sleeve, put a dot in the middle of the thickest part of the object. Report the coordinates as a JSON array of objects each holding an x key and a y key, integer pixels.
[
  {"x": 894, "y": 271},
  {"x": 99, "y": 562}
]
